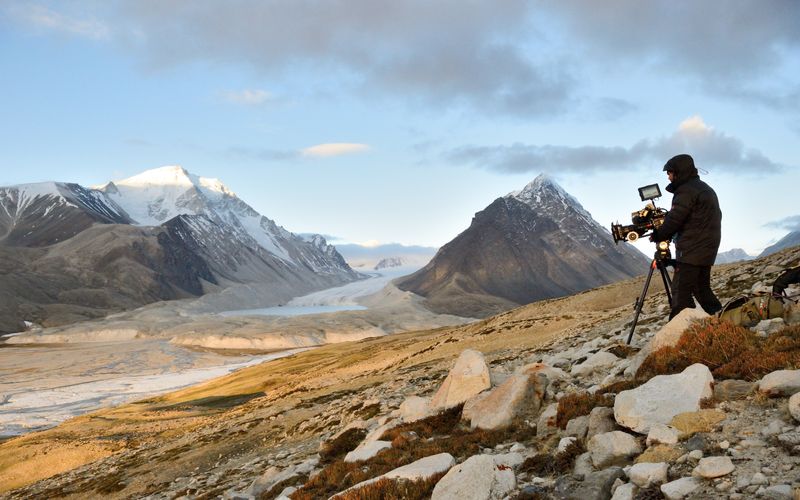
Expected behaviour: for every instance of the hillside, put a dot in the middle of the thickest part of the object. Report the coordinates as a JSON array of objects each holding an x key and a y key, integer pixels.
[{"x": 220, "y": 437}]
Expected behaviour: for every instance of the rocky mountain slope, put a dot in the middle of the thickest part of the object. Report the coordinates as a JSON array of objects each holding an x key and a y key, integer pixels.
[
  {"x": 790, "y": 240},
  {"x": 733, "y": 255},
  {"x": 71, "y": 253},
  {"x": 542, "y": 383},
  {"x": 530, "y": 245}
]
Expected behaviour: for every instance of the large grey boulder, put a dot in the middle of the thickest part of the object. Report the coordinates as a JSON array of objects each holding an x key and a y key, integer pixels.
[
  {"x": 480, "y": 477},
  {"x": 646, "y": 474},
  {"x": 469, "y": 376},
  {"x": 613, "y": 448},
  {"x": 367, "y": 450},
  {"x": 592, "y": 486},
  {"x": 598, "y": 361},
  {"x": 601, "y": 419},
  {"x": 712, "y": 467},
  {"x": 518, "y": 397},
  {"x": 781, "y": 383},
  {"x": 663, "y": 397},
  {"x": 415, "y": 471}
]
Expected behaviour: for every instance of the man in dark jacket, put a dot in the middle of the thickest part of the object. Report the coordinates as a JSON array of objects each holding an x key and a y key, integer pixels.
[{"x": 695, "y": 222}]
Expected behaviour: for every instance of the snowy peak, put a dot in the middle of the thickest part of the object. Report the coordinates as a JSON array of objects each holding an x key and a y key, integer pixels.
[{"x": 544, "y": 195}]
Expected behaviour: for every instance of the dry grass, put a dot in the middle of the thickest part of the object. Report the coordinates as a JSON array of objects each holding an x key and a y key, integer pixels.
[
  {"x": 546, "y": 464},
  {"x": 341, "y": 445},
  {"x": 729, "y": 351},
  {"x": 578, "y": 404},
  {"x": 387, "y": 489},
  {"x": 441, "y": 433}
]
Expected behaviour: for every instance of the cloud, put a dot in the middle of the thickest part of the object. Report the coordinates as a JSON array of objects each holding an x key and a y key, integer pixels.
[
  {"x": 248, "y": 97},
  {"x": 736, "y": 49},
  {"x": 710, "y": 148},
  {"x": 334, "y": 149},
  {"x": 791, "y": 223},
  {"x": 43, "y": 18},
  {"x": 448, "y": 53}
]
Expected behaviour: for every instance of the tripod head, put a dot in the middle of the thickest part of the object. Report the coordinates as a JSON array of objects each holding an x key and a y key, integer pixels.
[{"x": 663, "y": 255}]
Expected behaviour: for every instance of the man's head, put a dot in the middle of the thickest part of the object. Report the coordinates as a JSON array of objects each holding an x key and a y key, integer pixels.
[{"x": 680, "y": 168}]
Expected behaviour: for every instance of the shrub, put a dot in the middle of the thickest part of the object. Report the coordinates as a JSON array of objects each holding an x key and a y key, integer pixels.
[
  {"x": 546, "y": 464},
  {"x": 387, "y": 489},
  {"x": 579, "y": 403},
  {"x": 729, "y": 351},
  {"x": 341, "y": 445}
]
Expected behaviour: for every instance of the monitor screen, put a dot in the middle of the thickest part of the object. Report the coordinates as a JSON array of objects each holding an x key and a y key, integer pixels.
[{"x": 649, "y": 192}]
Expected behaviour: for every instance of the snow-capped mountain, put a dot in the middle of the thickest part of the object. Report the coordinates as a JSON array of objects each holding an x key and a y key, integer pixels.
[
  {"x": 47, "y": 212},
  {"x": 732, "y": 255},
  {"x": 529, "y": 245},
  {"x": 69, "y": 253},
  {"x": 156, "y": 196}
]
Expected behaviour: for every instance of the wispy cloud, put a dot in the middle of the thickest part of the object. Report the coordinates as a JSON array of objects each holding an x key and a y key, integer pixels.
[
  {"x": 791, "y": 223},
  {"x": 41, "y": 17},
  {"x": 247, "y": 97},
  {"x": 709, "y": 147},
  {"x": 334, "y": 149}
]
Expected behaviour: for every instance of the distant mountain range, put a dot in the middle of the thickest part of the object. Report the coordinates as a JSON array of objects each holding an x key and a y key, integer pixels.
[
  {"x": 69, "y": 253},
  {"x": 733, "y": 255},
  {"x": 529, "y": 245},
  {"x": 790, "y": 240}
]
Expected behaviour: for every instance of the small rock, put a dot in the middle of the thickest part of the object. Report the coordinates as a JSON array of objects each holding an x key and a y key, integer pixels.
[
  {"x": 547, "y": 421},
  {"x": 578, "y": 427},
  {"x": 662, "y": 434},
  {"x": 711, "y": 467},
  {"x": 698, "y": 421},
  {"x": 601, "y": 419},
  {"x": 593, "y": 486},
  {"x": 696, "y": 454},
  {"x": 779, "y": 492},
  {"x": 414, "y": 408},
  {"x": 696, "y": 442},
  {"x": 613, "y": 448},
  {"x": 680, "y": 488},
  {"x": 477, "y": 477},
  {"x": 794, "y": 406},
  {"x": 367, "y": 450},
  {"x": 596, "y": 362},
  {"x": 564, "y": 443},
  {"x": 758, "y": 479},
  {"x": 624, "y": 492},
  {"x": 773, "y": 428},
  {"x": 645, "y": 475}
]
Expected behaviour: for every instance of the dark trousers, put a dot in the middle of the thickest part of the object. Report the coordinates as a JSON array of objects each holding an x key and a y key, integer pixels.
[{"x": 688, "y": 281}]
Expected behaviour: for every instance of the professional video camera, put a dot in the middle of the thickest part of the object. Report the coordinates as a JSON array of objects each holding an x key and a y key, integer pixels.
[{"x": 644, "y": 220}]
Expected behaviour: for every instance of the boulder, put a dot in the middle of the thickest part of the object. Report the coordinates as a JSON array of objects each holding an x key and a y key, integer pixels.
[
  {"x": 578, "y": 427},
  {"x": 680, "y": 488},
  {"x": 794, "y": 406},
  {"x": 551, "y": 372},
  {"x": 564, "y": 443},
  {"x": 367, "y": 450},
  {"x": 598, "y": 361},
  {"x": 601, "y": 419},
  {"x": 274, "y": 475},
  {"x": 645, "y": 475},
  {"x": 546, "y": 424},
  {"x": 669, "y": 334},
  {"x": 517, "y": 398},
  {"x": 711, "y": 467},
  {"x": 414, "y": 408},
  {"x": 663, "y": 397},
  {"x": 624, "y": 492},
  {"x": 613, "y": 448},
  {"x": 662, "y": 434},
  {"x": 781, "y": 383},
  {"x": 593, "y": 486},
  {"x": 660, "y": 453},
  {"x": 478, "y": 477},
  {"x": 415, "y": 471},
  {"x": 469, "y": 376}
]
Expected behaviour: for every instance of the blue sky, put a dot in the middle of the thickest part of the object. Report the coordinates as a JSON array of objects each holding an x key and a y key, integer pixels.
[{"x": 375, "y": 120}]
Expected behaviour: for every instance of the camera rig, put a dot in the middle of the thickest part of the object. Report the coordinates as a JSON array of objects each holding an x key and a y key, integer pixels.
[{"x": 644, "y": 220}]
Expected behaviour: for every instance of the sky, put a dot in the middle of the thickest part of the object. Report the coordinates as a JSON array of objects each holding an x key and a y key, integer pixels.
[{"x": 377, "y": 121}]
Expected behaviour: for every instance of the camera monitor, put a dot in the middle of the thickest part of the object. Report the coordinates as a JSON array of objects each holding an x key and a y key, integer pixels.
[{"x": 649, "y": 192}]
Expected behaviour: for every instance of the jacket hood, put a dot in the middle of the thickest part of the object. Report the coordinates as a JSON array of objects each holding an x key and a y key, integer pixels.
[{"x": 682, "y": 168}]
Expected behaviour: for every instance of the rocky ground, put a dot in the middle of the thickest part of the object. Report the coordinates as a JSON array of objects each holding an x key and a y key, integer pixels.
[{"x": 486, "y": 410}]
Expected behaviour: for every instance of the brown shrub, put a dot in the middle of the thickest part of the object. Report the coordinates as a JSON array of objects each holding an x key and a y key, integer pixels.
[
  {"x": 728, "y": 350},
  {"x": 579, "y": 403},
  {"x": 341, "y": 445},
  {"x": 546, "y": 464},
  {"x": 435, "y": 425},
  {"x": 622, "y": 385},
  {"x": 387, "y": 489}
]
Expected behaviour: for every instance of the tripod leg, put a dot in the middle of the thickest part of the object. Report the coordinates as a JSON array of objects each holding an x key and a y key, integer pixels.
[
  {"x": 667, "y": 282},
  {"x": 640, "y": 300}
]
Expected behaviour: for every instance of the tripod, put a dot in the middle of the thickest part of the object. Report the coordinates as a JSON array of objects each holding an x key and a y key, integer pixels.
[{"x": 661, "y": 260}]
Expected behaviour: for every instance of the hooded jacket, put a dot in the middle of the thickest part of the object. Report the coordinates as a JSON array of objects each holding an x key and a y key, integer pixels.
[{"x": 695, "y": 220}]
